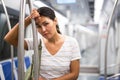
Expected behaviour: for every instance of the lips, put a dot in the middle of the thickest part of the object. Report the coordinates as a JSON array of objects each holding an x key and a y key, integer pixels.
[{"x": 45, "y": 34}]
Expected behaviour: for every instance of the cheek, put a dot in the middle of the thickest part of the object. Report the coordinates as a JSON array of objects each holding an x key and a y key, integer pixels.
[{"x": 54, "y": 28}]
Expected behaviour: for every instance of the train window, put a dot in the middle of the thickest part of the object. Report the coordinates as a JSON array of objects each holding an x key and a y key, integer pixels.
[{"x": 5, "y": 52}]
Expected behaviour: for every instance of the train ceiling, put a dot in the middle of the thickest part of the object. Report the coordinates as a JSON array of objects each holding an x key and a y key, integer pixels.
[{"x": 78, "y": 11}]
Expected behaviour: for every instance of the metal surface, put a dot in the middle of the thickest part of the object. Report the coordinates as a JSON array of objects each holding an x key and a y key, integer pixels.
[
  {"x": 35, "y": 44},
  {"x": 114, "y": 76},
  {"x": 21, "y": 41},
  {"x": 106, "y": 46},
  {"x": 89, "y": 69}
]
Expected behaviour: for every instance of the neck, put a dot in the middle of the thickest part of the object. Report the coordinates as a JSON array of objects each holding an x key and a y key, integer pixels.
[{"x": 55, "y": 38}]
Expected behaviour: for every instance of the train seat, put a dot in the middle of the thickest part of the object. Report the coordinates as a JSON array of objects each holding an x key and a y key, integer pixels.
[
  {"x": 112, "y": 78},
  {"x": 1, "y": 73},
  {"x": 6, "y": 68},
  {"x": 27, "y": 62}
]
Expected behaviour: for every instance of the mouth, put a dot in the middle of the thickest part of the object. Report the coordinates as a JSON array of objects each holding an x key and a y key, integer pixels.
[{"x": 45, "y": 34}]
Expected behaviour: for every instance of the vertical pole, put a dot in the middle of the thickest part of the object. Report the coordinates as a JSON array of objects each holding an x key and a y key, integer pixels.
[
  {"x": 35, "y": 44},
  {"x": 21, "y": 41},
  {"x": 117, "y": 66},
  {"x": 106, "y": 48},
  {"x": 11, "y": 47},
  {"x": 69, "y": 17}
]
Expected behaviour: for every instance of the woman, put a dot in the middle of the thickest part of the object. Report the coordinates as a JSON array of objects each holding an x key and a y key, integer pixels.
[{"x": 60, "y": 59}]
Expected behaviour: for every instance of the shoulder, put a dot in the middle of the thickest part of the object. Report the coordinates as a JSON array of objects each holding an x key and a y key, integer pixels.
[{"x": 71, "y": 39}]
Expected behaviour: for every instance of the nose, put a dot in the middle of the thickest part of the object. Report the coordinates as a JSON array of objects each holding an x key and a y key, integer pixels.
[{"x": 43, "y": 28}]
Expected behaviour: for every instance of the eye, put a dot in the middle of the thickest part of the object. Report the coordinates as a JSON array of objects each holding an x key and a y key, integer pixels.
[
  {"x": 38, "y": 26},
  {"x": 45, "y": 24}
]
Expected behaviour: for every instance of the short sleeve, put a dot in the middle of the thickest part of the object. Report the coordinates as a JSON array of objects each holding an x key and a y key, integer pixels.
[
  {"x": 29, "y": 42},
  {"x": 76, "y": 54}
]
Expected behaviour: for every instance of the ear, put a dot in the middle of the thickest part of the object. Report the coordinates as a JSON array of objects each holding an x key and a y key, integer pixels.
[{"x": 55, "y": 20}]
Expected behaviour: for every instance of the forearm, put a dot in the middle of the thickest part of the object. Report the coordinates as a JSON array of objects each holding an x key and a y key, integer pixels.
[
  {"x": 74, "y": 71},
  {"x": 27, "y": 21},
  {"x": 12, "y": 35},
  {"x": 69, "y": 76}
]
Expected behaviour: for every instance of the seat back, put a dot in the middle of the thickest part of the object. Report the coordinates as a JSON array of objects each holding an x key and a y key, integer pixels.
[{"x": 6, "y": 68}]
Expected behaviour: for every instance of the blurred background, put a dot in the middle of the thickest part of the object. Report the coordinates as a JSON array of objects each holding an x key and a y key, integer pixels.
[{"x": 94, "y": 23}]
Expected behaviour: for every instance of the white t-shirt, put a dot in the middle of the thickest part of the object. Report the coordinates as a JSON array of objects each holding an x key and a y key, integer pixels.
[{"x": 57, "y": 65}]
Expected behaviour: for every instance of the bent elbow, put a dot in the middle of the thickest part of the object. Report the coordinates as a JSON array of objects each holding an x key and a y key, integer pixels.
[
  {"x": 6, "y": 39},
  {"x": 10, "y": 41},
  {"x": 75, "y": 76}
]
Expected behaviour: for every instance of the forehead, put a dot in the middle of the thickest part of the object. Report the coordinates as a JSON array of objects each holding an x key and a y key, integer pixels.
[{"x": 42, "y": 19}]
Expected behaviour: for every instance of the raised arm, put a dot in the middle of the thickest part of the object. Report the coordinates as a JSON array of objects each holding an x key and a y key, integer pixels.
[{"x": 12, "y": 36}]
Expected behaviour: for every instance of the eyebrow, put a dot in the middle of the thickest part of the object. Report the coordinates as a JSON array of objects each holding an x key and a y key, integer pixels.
[{"x": 44, "y": 22}]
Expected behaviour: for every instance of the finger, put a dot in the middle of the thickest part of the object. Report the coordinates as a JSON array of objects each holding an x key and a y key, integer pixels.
[{"x": 35, "y": 14}]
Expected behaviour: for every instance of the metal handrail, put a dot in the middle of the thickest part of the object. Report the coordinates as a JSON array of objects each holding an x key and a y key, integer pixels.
[
  {"x": 9, "y": 28},
  {"x": 116, "y": 75},
  {"x": 35, "y": 44},
  {"x": 106, "y": 46},
  {"x": 21, "y": 41}
]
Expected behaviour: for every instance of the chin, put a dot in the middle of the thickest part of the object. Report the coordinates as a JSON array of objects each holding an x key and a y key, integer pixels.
[{"x": 46, "y": 37}]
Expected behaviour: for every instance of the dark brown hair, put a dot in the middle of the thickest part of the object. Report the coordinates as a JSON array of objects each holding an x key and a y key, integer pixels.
[{"x": 48, "y": 12}]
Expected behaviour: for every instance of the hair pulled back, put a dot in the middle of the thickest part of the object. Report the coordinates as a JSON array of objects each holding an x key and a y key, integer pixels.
[{"x": 48, "y": 12}]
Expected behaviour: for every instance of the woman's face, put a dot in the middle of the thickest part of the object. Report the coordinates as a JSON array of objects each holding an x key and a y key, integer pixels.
[{"x": 46, "y": 27}]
